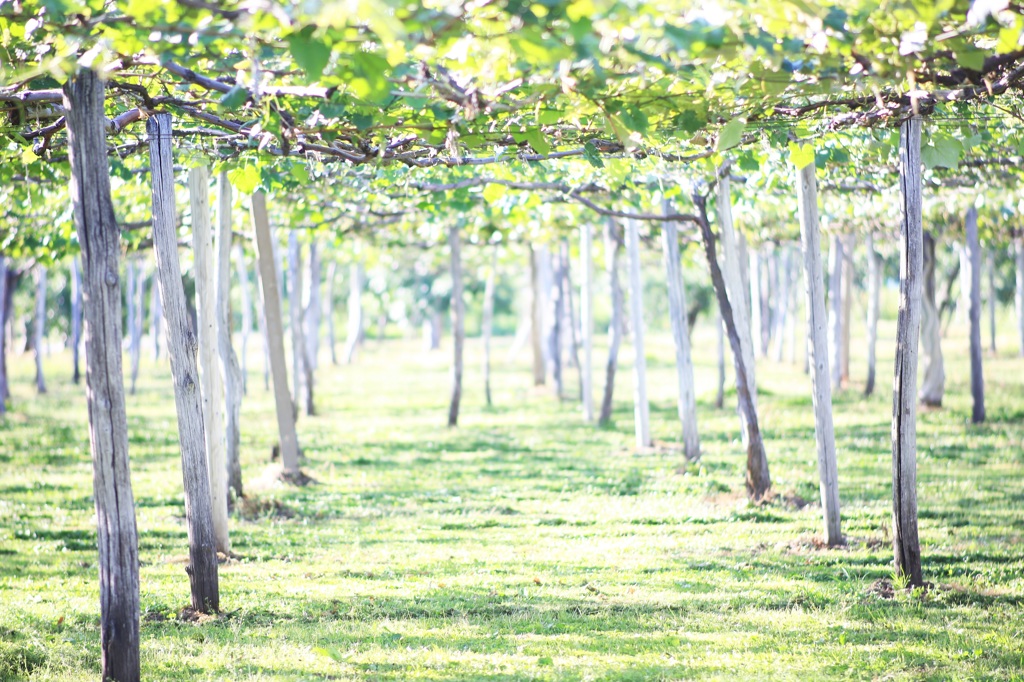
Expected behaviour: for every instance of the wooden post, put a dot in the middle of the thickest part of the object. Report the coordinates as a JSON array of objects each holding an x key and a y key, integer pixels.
[
  {"x": 432, "y": 329},
  {"x": 328, "y": 311},
  {"x": 587, "y": 320},
  {"x": 874, "y": 287},
  {"x": 458, "y": 323},
  {"x": 743, "y": 268},
  {"x": 156, "y": 313},
  {"x": 933, "y": 383},
  {"x": 732, "y": 262},
  {"x": 756, "y": 311},
  {"x": 76, "y": 319},
  {"x": 129, "y": 318},
  {"x": 233, "y": 382},
  {"x": 136, "y": 321},
  {"x": 311, "y": 326},
  {"x": 570, "y": 314},
  {"x": 1018, "y": 253},
  {"x": 242, "y": 272},
  {"x": 770, "y": 295},
  {"x": 835, "y": 310},
  {"x": 612, "y": 248},
  {"x": 3, "y": 335},
  {"x": 181, "y": 348},
  {"x": 211, "y": 378},
  {"x": 641, "y": 409},
  {"x": 536, "y": 319},
  {"x": 6, "y": 324},
  {"x": 129, "y": 303},
  {"x": 295, "y": 285},
  {"x": 487, "y": 322},
  {"x": 974, "y": 314},
  {"x": 990, "y": 267},
  {"x": 556, "y": 305},
  {"x": 758, "y": 479},
  {"x": 355, "y": 310},
  {"x": 782, "y": 299},
  {"x": 720, "y": 347},
  {"x": 39, "y": 326},
  {"x": 681, "y": 336},
  {"x": 524, "y": 321},
  {"x": 793, "y": 311},
  {"x": 261, "y": 323},
  {"x": 99, "y": 236},
  {"x": 963, "y": 303},
  {"x": 846, "y": 294},
  {"x": 821, "y": 388},
  {"x": 906, "y": 545},
  {"x": 275, "y": 334}
]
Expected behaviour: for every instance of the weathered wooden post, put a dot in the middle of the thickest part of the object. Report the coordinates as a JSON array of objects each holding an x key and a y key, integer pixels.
[
  {"x": 587, "y": 319},
  {"x": 821, "y": 387},
  {"x": 905, "y": 541},
  {"x": 210, "y": 373},
  {"x": 612, "y": 249},
  {"x": 275, "y": 335},
  {"x": 874, "y": 288},
  {"x": 99, "y": 236},
  {"x": 181, "y": 348},
  {"x": 458, "y": 311},
  {"x": 687, "y": 403},
  {"x": 974, "y": 314},
  {"x": 641, "y": 408}
]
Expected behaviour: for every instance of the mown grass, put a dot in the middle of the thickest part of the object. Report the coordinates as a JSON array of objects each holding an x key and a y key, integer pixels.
[{"x": 525, "y": 544}]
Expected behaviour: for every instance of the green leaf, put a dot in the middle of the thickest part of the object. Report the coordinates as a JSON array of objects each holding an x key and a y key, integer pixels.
[
  {"x": 592, "y": 156},
  {"x": 941, "y": 151},
  {"x": 373, "y": 84},
  {"x": 245, "y": 178},
  {"x": 548, "y": 117},
  {"x": 691, "y": 121},
  {"x": 748, "y": 162},
  {"x": 311, "y": 54},
  {"x": 801, "y": 155},
  {"x": 1009, "y": 37},
  {"x": 618, "y": 129},
  {"x": 634, "y": 118},
  {"x": 731, "y": 134},
  {"x": 300, "y": 174},
  {"x": 362, "y": 121},
  {"x": 492, "y": 193},
  {"x": 234, "y": 98},
  {"x": 971, "y": 58},
  {"x": 536, "y": 139},
  {"x": 141, "y": 9}
]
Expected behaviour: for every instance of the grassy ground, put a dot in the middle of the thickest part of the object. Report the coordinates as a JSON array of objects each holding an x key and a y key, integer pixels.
[{"x": 525, "y": 545}]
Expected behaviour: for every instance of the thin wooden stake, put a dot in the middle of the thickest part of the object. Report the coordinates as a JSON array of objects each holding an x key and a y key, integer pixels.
[
  {"x": 681, "y": 336},
  {"x": 270, "y": 290},
  {"x": 974, "y": 314},
  {"x": 821, "y": 387},
  {"x": 210, "y": 373},
  {"x": 641, "y": 408},
  {"x": 587, "y": 319}
]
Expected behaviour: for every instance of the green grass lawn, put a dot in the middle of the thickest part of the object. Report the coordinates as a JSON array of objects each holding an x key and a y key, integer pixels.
[{"x": 525, "y": 544}]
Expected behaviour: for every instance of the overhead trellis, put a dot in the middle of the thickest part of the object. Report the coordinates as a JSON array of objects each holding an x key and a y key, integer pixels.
[{"x": 471, "y": 84}]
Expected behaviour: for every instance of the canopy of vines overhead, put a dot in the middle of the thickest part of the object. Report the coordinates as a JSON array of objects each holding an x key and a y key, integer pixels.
[{"x": 373, "y": 114}]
